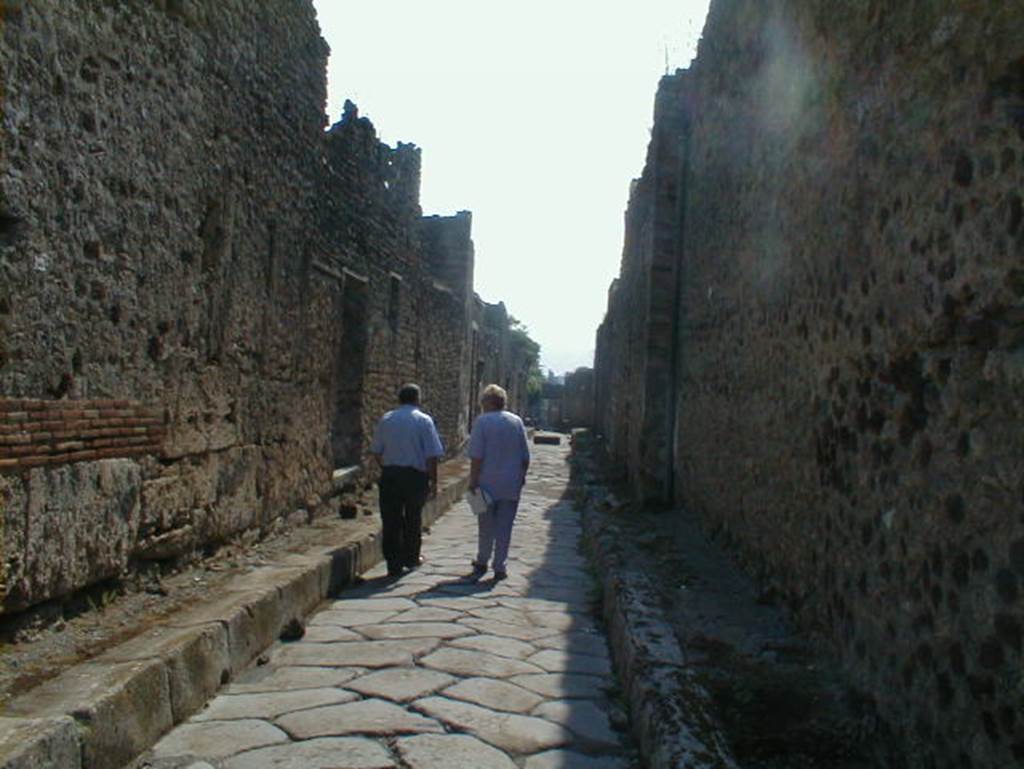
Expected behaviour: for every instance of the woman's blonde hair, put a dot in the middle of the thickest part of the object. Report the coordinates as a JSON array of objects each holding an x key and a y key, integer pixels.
[{"x": 495, "y": 394}]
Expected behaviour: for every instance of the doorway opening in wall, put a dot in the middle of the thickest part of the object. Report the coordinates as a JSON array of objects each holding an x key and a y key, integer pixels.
[{"x": 347, "y": 430}]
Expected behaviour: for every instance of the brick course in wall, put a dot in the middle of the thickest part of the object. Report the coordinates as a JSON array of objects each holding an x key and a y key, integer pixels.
[{"x": 37, "y": 433}]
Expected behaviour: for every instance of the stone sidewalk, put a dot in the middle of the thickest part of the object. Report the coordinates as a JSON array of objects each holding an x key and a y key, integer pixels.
[{"x": 432, "y": 672}]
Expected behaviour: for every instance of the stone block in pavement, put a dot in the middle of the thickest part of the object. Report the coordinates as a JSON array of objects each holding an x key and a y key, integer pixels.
[
  {"x": 401, "y": 684},
  {"x": 373, "y": 717},
  {"x": 325, "y": 634},
  {"x": 269, "y": 705},
  {"x": 218, "y": 739},
  {"x": 503, "y": 614},
  {"x": 561, "y": 661},
  {"x": 368, "y": 654},
  {"x": 583, "y": 718},
  {"x": 31, "y": 743},
  {"x": 427, "y": 614},
  {"x": 349, "y": 618},
  {"x": 271, "y": 679},
  {"x": 197, "y": 660},
  {"x": 506, "y": 630},
  {"x": 466, "y": 662},
  {"x": 563, "y": 685},
  {"x": 568, "y": 759},
  {"x": 509, "y": 731},
  {"x": 324, "y": 753},
  {"x": 461, "y": 605},
  {"x": 494, "y": 694},
  {"x": 593, "y": 644},
  {"x": 397, "y": 630},
  {"x": 127, "y": 707},
  {"x": 447, "y": 751},
  {"x": 492, "y": 644},
  {"x": 372, "y": 604}
]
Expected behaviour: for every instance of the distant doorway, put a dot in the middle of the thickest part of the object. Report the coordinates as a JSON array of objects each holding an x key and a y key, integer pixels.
[{"x": 347, "y": 431}]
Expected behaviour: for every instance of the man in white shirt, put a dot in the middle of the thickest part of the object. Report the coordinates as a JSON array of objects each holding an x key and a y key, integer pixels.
[
  {"x": 500, "y": 457},
  {"x": 407, "y": 446}
]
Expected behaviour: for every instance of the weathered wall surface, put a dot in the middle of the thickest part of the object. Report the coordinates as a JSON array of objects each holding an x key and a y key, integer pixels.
[
  {"x": 578, "y": 398},
  {"x": 636, "y": 344},
  {"x": 850, "y": 356},
  {"x": 179, "y": 234},
  {"x": 154, "y": 196}
]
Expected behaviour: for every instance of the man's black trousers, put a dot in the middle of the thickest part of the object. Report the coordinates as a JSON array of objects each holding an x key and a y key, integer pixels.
[{"x": 403, "y": 492}]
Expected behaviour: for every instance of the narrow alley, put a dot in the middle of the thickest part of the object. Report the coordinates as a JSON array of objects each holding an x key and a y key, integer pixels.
[{"x": 431, "y": 671}]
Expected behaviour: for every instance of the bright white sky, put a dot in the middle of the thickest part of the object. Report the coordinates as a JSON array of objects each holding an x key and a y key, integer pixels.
[{"x": 533, "y": 115}]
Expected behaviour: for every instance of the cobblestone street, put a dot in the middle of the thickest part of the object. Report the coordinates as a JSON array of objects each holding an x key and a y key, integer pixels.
[{"x": 430, "y": 671}]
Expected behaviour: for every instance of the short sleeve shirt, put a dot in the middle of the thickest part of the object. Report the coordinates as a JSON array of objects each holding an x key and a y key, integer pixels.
[
  {"x": 499, "y": 440},
  {"x": 406, "y": 437}
]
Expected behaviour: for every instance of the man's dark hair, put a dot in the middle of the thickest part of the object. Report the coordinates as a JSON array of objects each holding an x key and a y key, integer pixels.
[{"x": 409, "y": 393}]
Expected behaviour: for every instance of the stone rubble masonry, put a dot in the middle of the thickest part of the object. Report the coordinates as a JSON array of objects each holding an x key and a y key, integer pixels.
[
  {"x": 178, "y": 230},
  {"x": 578, "y": 398},
  {"x": 816, "y": 341}
]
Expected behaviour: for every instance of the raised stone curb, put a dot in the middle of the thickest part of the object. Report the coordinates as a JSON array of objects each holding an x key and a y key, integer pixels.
[
  {"x": 102, "y": 713},
  {"x": 672, "y": 714}
]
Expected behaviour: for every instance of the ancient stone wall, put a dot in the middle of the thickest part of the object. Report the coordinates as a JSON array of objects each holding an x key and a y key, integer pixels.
[
  {"x": 578, "y": 397},
  {"x": 502, "y": 358},
  {"x": 155, "y": 194},
  {"x": 850, "y": 343},
  {"x": 448, "y": 254},
  {"x": 182, "y": 242},
  {"x": 636, "y": 345}
]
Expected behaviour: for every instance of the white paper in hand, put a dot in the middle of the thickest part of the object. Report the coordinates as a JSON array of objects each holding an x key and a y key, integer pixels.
[{"x": 478, "y": 500}]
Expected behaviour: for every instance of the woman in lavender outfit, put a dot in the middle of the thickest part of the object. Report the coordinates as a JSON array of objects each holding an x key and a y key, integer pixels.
[{"x": 500, "y": 457}]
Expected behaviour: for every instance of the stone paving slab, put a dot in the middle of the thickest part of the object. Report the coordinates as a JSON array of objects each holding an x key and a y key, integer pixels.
[
  {"x": 584, "y": 719},
  {"x": 466, "y": 662},
  {"x": 330, "y": 634},
  {"x": 437, "y": 751},
  {"x": 272, "y": 679},
  {"x": 495, "y": 627},
  {"x": 323, "y": 753},
  {"x": 371, "y": 716},
  {"x": 427, "y": 614},
  {"x": 566, "y": 661},
  {"x": 372, "y": 604},
  {"x": 492, "y": 644},
  {"x": 218, "y": 739},
  {"x": 269, "y": 705},
  {"x": 432, "y": 671},
  {"x": 563, "y": 685},
  {"x": 401, "y": 684},
  {"x": 350, "y": 617},
  {"x": 508, "y": 731},
  {"x": 397, "y": 630},
  {"x": 567, "y": 759},
  {"x": 494, "y": 694},
  {"x": 370, "y": 654}
]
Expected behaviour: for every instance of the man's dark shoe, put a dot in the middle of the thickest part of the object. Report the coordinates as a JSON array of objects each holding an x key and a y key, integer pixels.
[
  {"x": 413, "y": 565},
  {"x": 478, "y": 571},
  {"x": 394, "y": 570}
]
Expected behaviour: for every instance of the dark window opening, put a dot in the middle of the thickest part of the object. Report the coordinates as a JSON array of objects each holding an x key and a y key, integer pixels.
[{"x": 394, "y": 302}]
